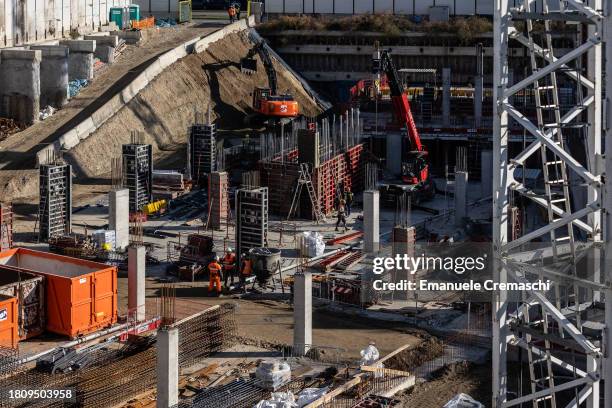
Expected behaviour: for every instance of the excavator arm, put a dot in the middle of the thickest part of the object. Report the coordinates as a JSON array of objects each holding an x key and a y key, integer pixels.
[{"x": 249, "y": 64}]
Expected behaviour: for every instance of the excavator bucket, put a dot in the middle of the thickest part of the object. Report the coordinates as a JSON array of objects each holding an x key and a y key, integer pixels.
[{"x": 248, "y": 65}]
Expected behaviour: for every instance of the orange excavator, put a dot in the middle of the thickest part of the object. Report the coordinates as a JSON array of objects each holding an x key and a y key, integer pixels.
[
  {"x": 266, "y": 101},
  {"x": 415, "y": 167}
]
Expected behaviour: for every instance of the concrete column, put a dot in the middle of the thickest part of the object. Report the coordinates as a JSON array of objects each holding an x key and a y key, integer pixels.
[
  {"x": 80, "y": 59},
  {"x": 302, "y": 311},
  {"x": 53, "y": 75},
  {"x": 446, "y": 95},
  {"x": 486, "y": 172},
  {"x": 136, "y": 281},
  {"x": 119, "y": 216},
  {"x": 371, "y": 233},
  {"x": 478, "y": 95},
  {"x": 461, "y": 183},
  {"x": 20, "y": 85},
  {"x": 394, "y": 153},
  {"x": 167, "y": 367},
  {"x": 105, "y": 46}
]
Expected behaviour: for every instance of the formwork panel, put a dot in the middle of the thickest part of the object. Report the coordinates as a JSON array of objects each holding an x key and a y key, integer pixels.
[
  {"x": 6, "y": 226},
  {"x": 55, "y": 202},
  {"x": 138, "y": 174},
  {"x": 217, "y": 199},
  {"x": 202, "y": 152},
  {"x": 251, "y": 218}
]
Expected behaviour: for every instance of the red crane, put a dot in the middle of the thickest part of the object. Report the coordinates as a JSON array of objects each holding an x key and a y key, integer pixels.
[{"x": 415, "y": 167}]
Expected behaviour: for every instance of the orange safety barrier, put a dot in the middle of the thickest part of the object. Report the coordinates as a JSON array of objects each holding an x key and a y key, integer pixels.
[{"x": 145, "y": 23}]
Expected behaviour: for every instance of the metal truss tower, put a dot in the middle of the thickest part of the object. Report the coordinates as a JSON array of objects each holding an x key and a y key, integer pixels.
[{"x": 560, "y": 337}]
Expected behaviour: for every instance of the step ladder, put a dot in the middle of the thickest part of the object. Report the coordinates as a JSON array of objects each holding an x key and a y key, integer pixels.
[{"x": 306, "y": 180}]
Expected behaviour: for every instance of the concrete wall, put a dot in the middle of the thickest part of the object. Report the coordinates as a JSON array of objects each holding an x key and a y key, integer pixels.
[
  {"x": 29, "y": 21},
  {"x": 408, "y": 7},
  {"x": 89, "y": 125}
]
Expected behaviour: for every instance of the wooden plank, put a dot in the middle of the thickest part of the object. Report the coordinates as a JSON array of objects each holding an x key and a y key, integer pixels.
[
  {"x": 331, "y": 395},
  {"x": 383, "y": 370},
  {"x": 394, "y": 353}
]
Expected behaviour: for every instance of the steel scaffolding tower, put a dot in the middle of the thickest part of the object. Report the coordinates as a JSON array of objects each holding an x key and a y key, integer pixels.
[
  {"x": 138, "y": 174},
  {"x": 55, "y": 205},
  {"x": 202, "y": 151},
  {"x": 558, "y": 330}
]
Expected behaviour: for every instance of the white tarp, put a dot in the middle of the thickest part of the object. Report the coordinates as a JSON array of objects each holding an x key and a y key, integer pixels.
[
  {"x": 314, "y": 244},
  {"x": 463, "y": 401}
]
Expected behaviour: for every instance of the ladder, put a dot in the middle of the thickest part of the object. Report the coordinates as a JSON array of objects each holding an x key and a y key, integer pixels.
[{"x": 306, "y": 180}]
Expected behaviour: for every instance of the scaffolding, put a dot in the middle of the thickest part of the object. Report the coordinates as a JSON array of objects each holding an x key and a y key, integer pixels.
[
  {"x": 137, "y": 169},
  {"x": 55, "y": 205},
  {"x": 562, "y": 332},
  {"x": 251, "y": 219}
]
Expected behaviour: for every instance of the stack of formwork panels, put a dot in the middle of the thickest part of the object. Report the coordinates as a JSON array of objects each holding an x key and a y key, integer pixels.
[
  {"x": 55, "y": 205},
  {"x": 6, "y": 226},
  {"x": 281, "y": 180},
  {"x": 138, "y": 174},
  {"x": 217, "y": 199},
  {"x": 202, "y": 151},
  {"x": 251, "y": 218}
]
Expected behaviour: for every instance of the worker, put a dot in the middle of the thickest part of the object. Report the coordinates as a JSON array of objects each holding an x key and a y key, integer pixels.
[
  {"x": 341, "y": 215},
  {"x": 348, "y": 199},
  {"x": 229, "y": 266},
  {"x": 231, "y": 11},
  {"x": 237, "y": 8},
  {"x": 214, "y": 270},
  {"x": 246, "y": 269}
]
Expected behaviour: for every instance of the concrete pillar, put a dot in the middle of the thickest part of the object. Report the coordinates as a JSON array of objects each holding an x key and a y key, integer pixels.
[
  {"x": 105, "y": 46},
  {"x": 167, "y": 367},
  {"x": 446, "y": 95},
  {"x": 80, "y": 59},
  {"x": 302, "y": 311},
  {"x": 119, "y": 216},
  {"x": 478, "y": 95},
  {"x": 53, "y": 75},
  {"x": 136, "y": 281},
  {"x": 394, "y": 153},
  {"x": 20, "y": 85},
  {"x": 461, "y": 183},
  {"x": 486, "y": 172},
  {"x": 371, "y": 233}
]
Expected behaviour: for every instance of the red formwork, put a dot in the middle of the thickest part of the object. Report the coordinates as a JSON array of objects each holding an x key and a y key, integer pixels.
[{"x": 346, "y": 169}]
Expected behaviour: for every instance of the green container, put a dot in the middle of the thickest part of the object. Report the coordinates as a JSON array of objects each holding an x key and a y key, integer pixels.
[
  {"x": 134, "y": 12},
  {"x": 116, "y": 15}
]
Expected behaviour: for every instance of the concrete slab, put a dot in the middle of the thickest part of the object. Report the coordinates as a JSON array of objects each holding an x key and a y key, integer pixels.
[{"x": 80, "y": 45}]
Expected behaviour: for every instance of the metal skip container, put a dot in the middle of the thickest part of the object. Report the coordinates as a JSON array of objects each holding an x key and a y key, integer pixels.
[
  {"x": 80, "y": 295},
  {"x": 266, "y": 262},
  {"x": 29, "y": 291}
]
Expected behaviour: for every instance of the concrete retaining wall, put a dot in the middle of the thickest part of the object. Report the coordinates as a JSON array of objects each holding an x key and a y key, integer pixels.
[
  {"x": 25, "y": 22},
  {"x": 89, "y": 125}
]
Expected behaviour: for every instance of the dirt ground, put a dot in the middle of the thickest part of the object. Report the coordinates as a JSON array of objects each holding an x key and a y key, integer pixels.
[
  {"x": 474, "y": 380},
  {"x": 162, "y": 112}
]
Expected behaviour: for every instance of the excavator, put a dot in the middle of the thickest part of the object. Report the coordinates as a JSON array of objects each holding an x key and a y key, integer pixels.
[
  {"x": 267, "y": 103},
  {"x": 415, "y": 175}
]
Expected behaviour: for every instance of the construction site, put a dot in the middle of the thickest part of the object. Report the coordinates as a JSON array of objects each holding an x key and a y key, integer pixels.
[{"x": 295, "y": 203}]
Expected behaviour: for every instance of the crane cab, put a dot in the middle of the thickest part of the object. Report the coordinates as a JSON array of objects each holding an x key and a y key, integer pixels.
[{"x": 280, "y": 106}]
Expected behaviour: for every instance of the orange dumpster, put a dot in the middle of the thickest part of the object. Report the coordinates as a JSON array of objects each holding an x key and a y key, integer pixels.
[
  {"x": 80, "y": 295},
  {"x": 9, "y": 322}
]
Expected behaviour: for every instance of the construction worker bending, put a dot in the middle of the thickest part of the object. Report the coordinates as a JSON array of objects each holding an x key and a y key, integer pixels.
[
  {"x": 246, "y": 269},
  {"x": 231, "y": 11},
  {"x": 341, "y": 215},
  {"x": 214, "y": 270},
  {"x": 229, "y": 266}
]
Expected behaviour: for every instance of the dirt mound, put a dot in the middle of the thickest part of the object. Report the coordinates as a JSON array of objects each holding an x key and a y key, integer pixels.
[
  {"x": 18, "y": 185},
  {"x": 165, "y": 108}
]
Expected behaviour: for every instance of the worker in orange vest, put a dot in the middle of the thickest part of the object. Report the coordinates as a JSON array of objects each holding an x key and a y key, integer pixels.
[
  {"x": 214, "y": 269},
  {"x": 246, "y": 269},
  {"x": 231, "y": 11},
  {"x": 229, "y": 266}
]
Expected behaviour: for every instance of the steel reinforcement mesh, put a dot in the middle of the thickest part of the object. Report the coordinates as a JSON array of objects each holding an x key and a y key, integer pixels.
[{"x": 117, "y": 375}]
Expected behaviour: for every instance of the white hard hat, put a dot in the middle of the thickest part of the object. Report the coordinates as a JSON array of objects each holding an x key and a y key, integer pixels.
[
  {"x": 229, "y": 249},
  {"x": 217, "y": 258}
]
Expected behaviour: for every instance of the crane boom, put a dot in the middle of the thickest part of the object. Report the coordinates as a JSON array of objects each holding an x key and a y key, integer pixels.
[{"x": 401, "y": 106}]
